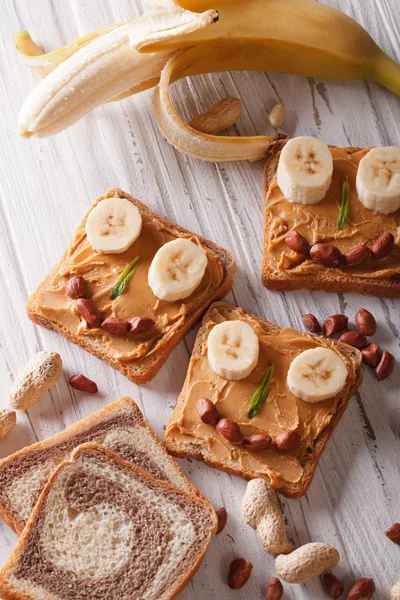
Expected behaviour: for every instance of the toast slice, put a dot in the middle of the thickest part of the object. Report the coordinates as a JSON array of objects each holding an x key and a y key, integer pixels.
[
  {"x": 289, "y": 473},
  {"x": 285, "y": 270},
  {"x": 138, "y": 357},
  {"x": 119, "y": 426},
  {"x": 105, "y": 529}
]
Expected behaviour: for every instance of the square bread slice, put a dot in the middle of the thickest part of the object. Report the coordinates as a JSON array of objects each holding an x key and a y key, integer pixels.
[
  {"x": 283, "y": 269},
  {"x": 290, "y": 473},
  {"x": 105, "y": 529},
  {"x": 138, "y": 357},
  {"x": 119, "y": 426}
]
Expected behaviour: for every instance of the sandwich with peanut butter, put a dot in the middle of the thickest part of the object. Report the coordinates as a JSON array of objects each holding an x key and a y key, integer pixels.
[
  {"x": 261, "y": 401},
  {"x": 130, "y": 285},
  {"x": 332, "y": 218}
]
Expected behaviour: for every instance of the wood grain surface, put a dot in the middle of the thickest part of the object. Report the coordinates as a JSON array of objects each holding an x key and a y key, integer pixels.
[{"x": 47, "y": 185}]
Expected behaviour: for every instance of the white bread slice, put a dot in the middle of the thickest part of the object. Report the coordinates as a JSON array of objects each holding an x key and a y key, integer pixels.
[
  {"x": 119, "y": 426},
  {"x": 104, "y": 529}
]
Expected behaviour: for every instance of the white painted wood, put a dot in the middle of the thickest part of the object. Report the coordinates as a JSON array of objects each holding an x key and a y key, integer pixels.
[{"x": 45, "y": 188}]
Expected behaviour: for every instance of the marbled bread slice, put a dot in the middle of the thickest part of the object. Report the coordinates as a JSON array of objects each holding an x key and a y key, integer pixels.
[
  {"x": 119, "y": 426},
  {"x": 104, "y": 529}
]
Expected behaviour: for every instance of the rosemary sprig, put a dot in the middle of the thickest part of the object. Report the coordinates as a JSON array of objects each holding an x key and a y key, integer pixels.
[
  {"x": 344, "y": 205},
  {"x": 261, "y": 392},
  {"x": 124, "y": 279}
]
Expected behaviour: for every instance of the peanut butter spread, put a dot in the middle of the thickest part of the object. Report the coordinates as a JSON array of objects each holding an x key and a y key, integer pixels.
[
  {"x": 318, "y": 224},
  {"x": 101, "y": 271},
  {"x": 280, "y": 412}
]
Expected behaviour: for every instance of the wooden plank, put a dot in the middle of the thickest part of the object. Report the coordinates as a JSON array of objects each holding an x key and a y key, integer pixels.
[{"x": 47, "y": 185}]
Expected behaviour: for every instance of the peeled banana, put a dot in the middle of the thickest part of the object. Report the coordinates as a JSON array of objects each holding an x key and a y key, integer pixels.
[{"x": 186, "y": 37}]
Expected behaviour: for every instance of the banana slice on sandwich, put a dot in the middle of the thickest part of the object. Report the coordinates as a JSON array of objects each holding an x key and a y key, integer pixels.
[
  {"x": 378, "y": 180},
  {"x": 316, "y": 375},
  {"x": 305, "y": 170},
  {"x": 113, "y": 225},
  {"x": 233, "y": 349},
  {"x": 176, "y": 270}
]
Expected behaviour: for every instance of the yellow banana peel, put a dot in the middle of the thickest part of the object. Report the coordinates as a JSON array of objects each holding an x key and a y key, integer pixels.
[{"x": 301, "y": 37}]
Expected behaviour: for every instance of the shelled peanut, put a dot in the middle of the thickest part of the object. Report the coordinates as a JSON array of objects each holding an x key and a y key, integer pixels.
[{"x": 382, "y": 362}]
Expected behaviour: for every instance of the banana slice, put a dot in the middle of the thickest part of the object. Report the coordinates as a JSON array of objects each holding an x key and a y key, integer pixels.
[
  {"x": 233, "y": 349},
  {"x": 305, "y": 170},
  {"x": 378, "y": 180},
  {"x": 316, "y": 375},
  {"x": 176, "y": 270},
  {"x": 113, "y": 225}
]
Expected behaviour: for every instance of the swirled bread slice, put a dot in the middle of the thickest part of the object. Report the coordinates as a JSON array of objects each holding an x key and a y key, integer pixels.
[
  {"x": 119, "y": 426},
  {"x": 104, "y": 529}
]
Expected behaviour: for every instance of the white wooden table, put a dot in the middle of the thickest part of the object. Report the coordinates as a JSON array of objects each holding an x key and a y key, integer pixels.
[{"x": 47, "y": 185}]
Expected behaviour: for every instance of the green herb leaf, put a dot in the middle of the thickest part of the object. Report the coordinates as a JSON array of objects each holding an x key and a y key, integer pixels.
[
  {"x": 261, "y": 392},
  {"x": 344, "y": 205},
  {"x": 124, "y": 279}
]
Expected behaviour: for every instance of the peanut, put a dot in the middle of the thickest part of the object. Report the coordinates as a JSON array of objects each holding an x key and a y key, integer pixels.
[
  {"x": 354, "y": 338},
  {"x": 261, "y": 510},
  {"x": 383, "y": 246},
  {"x": 333, "y": 586},
  {"x": 296, "y": 242},
  {"x": 363, "y": 589},
  {"x": 356, "y": 256},
  {"x": 8, "y": 419},
  {"x": 277, "y": 115},
  {"x": 140, "y": 325},
  {"x": 239, "y": 573},
  {"x": 89, "y": 311},
  {"x": 230, "y": 430},
  {"x": 288, "y": 441},
  {"x": 222, "y": 519},
  {"x": 218, "y": 117},
  {"x": 371, "y": 355},
  {"x": 393, "y": 533},
  {"x": 39, "y": 375},
  {"x": 326, "y": 255},
  {"x": 307, "y": 562},
  {"x": 275, "y": 589},
  {"x": 82, "y": 383},
  {"x": 76, "y": 287},
  {"x": 207, "y": 411},
  {"x": 335, "y": 323},
  {"x": 385, "y": 366},
  {"x": 257, "y": 442},
  {"x": 395, "y": 593},
  {"x": 365, "y": 322},
  {"x": 115, "y": 326},
  {"x": 311, "y": 323}
]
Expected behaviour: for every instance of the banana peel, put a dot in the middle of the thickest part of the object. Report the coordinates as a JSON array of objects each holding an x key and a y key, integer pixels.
[{"x": 287, "y": 36}]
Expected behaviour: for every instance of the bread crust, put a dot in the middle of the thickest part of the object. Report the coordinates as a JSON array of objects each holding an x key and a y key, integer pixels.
[
  {"x": 328, "y": 282},
  {"x": 310, "y": 462},
  {"x": 141, "y": 371},
  {"x": 83, "y": 425},
  {"x": 9, "y": 593}
]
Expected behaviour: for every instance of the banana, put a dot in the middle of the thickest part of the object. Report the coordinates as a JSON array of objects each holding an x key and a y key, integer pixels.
[
  {"x": 177, "y": 270},
  {"x": 106, "y": 68},
  {"x": 316, "y": 375},
  {"x": 305, "y": 170},
  {"x": 378, "y": 180},
  {"x": 233, "y": 349},
  {"x": 266, "y": 35},
  {"x": 113, "y": 225}
]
